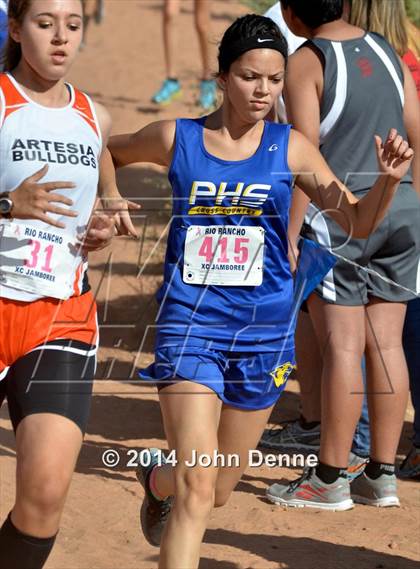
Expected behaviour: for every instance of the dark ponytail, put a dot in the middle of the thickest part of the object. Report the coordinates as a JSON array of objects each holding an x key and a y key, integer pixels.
[{"x": 13, "y": 52}]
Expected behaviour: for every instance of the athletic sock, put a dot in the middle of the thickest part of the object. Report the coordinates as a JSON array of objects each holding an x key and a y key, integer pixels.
[
  {"x": 21, "y": 551},
  {"x": 152, "y": 486},
  {"x": 173, "y": 79},
  {"x": 306, "y": 425},
  {"x": 375, "y": 469},
  {"x": 329, "y": 474}
]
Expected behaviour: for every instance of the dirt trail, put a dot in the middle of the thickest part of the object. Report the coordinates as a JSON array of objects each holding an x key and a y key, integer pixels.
[{"x": 121, "y": 67}]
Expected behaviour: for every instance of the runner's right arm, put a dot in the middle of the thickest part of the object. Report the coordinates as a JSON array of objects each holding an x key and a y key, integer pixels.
[{"x": 153, "y": 143}]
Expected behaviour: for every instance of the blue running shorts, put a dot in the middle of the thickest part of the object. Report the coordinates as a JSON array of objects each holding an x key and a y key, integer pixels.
[{"x": 247, "y": 380}]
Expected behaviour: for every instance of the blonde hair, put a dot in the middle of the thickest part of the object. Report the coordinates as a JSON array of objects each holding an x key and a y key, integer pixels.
[
  {"x": 414, "y": 39},
  {"x": 388, "y": 18}
]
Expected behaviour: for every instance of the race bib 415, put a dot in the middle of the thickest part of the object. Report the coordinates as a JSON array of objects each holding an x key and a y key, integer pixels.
[{"x": 224, "y": 255}]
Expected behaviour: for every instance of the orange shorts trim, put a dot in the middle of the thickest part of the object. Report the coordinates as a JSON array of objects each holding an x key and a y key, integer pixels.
[{"x": 28, "y": 325}]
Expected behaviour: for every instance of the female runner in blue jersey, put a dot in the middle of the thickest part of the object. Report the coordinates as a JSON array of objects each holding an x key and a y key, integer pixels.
[{"x": 224, "y": 344}]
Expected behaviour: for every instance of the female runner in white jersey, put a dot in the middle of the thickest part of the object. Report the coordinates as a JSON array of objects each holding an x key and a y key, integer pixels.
[
  {"x": 204, "y": 408},
  {"x": 51, "y": 138}
]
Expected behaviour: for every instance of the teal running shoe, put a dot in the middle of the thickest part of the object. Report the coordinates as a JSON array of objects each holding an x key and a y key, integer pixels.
[
  {"x": 356, "y": 466},
  {"x": 169, "y": 91},
  {"x": 208, "y": 94}
]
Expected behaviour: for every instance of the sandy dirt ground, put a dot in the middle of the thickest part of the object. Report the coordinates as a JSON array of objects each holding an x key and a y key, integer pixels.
[{"x": 121, "y": 66}]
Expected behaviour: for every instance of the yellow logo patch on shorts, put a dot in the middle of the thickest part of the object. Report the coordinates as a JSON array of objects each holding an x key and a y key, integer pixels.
[{"x": 281, "y": 373}]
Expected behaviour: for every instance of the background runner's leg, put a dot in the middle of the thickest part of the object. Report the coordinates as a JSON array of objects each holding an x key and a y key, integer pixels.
[
  {"x": 171, "y": 10},
  {"x": 309, "y": 362},
  {"x": 387, "y": 377},
  {"x": 202, "y": 25},
  {"x": 100, "y": 11},
  {"x": 341, "y": 336},
  {"x": 239, "y": 432}
]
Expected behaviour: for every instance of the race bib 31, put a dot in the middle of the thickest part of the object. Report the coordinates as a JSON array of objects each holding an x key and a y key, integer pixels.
[{"x": 43, "y": 262}]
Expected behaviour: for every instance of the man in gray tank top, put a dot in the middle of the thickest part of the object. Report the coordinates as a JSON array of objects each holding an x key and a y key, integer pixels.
[{"x": 344, "y": 86}]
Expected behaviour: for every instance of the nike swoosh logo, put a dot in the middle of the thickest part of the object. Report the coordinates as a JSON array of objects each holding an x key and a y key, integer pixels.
[
  {"x": 273, "y": 147},
  {"x": 261, "y": 41}
]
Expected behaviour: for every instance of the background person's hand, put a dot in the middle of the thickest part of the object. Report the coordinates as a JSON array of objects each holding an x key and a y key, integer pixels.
[
  {"x": 34, "y": 200},
  {"x": 394, "y": 155}
]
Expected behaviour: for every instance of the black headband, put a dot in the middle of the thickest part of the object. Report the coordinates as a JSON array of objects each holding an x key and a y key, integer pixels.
[{"x": 238, "y": 48}]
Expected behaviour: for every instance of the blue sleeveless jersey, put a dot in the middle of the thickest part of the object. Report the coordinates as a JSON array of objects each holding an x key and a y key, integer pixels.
[
  {"x": 210, "y": 192},
  {"x": 3, "y": 30}
]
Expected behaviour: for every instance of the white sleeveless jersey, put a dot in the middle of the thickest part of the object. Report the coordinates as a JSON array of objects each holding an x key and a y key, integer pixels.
[{"x": 68, "y": 139}]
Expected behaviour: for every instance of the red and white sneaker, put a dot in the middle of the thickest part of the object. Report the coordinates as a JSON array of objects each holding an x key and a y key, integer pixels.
[{"x": 309, "y": 491}]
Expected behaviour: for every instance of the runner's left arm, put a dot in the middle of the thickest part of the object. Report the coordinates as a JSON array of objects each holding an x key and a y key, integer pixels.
[{"x": 357, "y": 217}]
